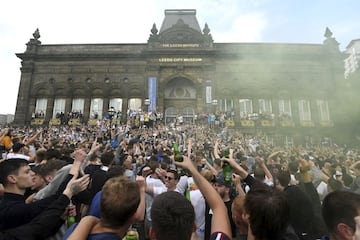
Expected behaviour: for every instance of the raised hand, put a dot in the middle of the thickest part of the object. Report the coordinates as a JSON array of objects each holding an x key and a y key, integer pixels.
[
  {"x": 141, "y": 182},
  {"x": 187, "y": 163},
  {"x": 76, "y": 186}
]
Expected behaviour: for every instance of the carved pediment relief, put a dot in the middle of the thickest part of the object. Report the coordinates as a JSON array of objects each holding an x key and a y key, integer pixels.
[
  {"x": 181, "y": 33},
  {"x": 180, "y": 88}
]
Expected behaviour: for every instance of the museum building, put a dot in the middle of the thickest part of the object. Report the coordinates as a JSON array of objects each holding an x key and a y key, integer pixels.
[{"x": 286, "y": 90}]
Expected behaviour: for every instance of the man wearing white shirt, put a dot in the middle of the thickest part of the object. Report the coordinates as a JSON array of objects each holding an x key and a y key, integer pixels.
[
  {"x": 153, "y": 181},
  {"x": 18, "y": 152},
  {"x": 171, "y": 180}
]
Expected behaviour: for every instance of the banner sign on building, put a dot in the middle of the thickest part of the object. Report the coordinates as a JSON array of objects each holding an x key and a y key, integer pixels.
[
  {"x": 208, "y": 94},
  {"x": 152, "y": 93}
]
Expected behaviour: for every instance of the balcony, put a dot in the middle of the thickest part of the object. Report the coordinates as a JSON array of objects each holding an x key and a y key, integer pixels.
[
  {"x": 55, "y": 122},
  {"x": 74, "y": 122},
  {"x": 307, "y": 123},
  {"x": 37, "y": 121},
  {"x": 327, "y": 123},
  {"x": 267, "y": 123},
  {"x": 247, "y": 123},
  {"x": 92, "y": 122},
  {"x": 287, "y": 123},
  {"x": 115, "y": 121}
]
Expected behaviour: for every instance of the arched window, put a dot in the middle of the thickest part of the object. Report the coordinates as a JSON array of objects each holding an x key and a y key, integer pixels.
[{"x": 170, "y": 114}]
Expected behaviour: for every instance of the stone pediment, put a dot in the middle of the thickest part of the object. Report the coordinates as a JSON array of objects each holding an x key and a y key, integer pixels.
[
  {"x": 180, "y": 33},
  {"x": 180, "y": 27}
]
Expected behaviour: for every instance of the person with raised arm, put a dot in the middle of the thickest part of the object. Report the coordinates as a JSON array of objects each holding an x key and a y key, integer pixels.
[
  {"x": 179, "y": 213},
  {"x": 16, "y": 176},
  {"x": 122, "y": 203},
  {"x": 51, "y": 219}
]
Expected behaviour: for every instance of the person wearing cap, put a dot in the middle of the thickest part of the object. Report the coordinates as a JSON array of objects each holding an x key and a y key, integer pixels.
[
  {"x": 19, "y": 150},
  {"x": 224, "y": 190}
]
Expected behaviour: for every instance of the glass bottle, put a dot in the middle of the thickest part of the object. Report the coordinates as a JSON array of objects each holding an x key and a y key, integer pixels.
[
  {"x": 70, "y": 219},
  {"x": 227, "y": 173},
  {"x": 177, "y": 155},
  {"x": 132, "y": 234}
]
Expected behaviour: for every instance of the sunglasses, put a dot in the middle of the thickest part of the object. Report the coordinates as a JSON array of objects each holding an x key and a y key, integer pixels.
[{"x": 170, "y": 178}]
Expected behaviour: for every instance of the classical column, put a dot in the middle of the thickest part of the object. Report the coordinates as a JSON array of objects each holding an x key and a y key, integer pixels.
[
  {"x": 236, "y": 110},
  {"x": 106, "y": 103},
  {"x": 86, "y": 113},
  {"x": 49, "y": 109},
  {"x": 68, "y": 105}
]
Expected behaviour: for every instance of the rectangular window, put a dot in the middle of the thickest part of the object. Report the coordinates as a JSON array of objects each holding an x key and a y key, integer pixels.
[
  {"x": 245, "y": 108},
  {"x": 323, "y": 109},
  {"x": 285, "y": 109},
  {"x": 96, "y": 108},
  {"x": 304, "y": 110},
  {"x": 40, "y": 109},
  {"x": 59, "y": 106},
  {"x": 116, "y": 103},
  {"x": 226, "y": 105},
  {"x": 134, "y": 104},
  {"x": 265, "y": 106},
  {"x": 78, "y": 105}
]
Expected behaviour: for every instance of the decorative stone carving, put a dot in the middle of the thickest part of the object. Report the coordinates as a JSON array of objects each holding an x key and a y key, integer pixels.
[{"x": 33, "y": 42}]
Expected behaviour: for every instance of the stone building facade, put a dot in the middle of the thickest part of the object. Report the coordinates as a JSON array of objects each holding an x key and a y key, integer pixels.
[{"x": 287, "y": 91}]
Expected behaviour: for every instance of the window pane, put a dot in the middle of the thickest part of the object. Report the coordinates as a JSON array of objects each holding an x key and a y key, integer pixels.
[
  {"x": 96, "y": 108},
  {"x": 265, "y": 106},
  {"x": 285, "y": 109},
  {"x": 78, "y": 105},
  {"x": 323, "y": 109},
  {"x": 245, "y": 108},
  {"x": 304, "y": 110},
  {"x": 226, "y": 105},
  {"x": 59, "y": 106},
  {"x": 134, "y": 104},
  {"x": 40, "y": 109},
  {"x": 116, "y": 103}
]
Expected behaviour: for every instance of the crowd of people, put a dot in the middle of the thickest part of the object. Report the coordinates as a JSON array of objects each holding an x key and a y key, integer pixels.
[{"x": 122, "y": 182}]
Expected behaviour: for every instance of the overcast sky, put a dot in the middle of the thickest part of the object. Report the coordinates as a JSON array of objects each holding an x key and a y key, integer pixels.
[{"x": 130, "y": 21}]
